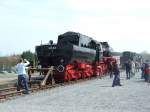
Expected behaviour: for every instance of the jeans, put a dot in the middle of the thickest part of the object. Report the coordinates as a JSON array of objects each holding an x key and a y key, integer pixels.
[
  {"x": 142, "y": 74},
  {"x": 111, "y": 74},
  {"x": 116, "y": 80},
  {"x": 22, "y": 80},
  {"x": 128, "y": 72}
]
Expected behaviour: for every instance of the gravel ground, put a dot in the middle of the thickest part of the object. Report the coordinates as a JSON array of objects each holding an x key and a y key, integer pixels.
[
  {"x": 90, "y": 96},
  {"x": 7, "y": 78}
]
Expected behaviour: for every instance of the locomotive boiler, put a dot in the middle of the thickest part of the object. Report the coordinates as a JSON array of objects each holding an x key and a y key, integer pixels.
[{"x": 74, "y": 56}]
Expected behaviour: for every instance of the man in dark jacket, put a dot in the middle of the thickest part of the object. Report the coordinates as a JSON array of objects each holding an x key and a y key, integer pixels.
[
  {"x": 128, "y": 69},
  {"x": 110, "y": 67},
  {"x": 116, "y": 81}
]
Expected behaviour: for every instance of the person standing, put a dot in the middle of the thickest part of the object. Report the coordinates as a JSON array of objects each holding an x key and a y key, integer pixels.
[
  {"x": 128, "y": 69},
  {"x": 142, "y": 70},
  {"x": 146, "y": 72},
  {"x": 20, "y": 67},
  {"x": 116, "y": 81},
  {"x": 133, "y": 68},
  {"x": 110, "y": 67},
  {"x": 137, "y": 66}
]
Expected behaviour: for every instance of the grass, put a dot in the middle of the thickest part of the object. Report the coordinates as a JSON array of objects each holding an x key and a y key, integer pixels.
[{"x": 7, "y": 75}]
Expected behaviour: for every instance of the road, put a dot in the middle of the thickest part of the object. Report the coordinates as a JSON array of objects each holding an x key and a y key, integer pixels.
[{"x": 90, "y": 96}]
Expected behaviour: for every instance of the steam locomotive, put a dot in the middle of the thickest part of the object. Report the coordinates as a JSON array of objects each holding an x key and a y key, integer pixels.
[
  {"x": 75, "y": 56},
  {"x": 131, "y": 56}
]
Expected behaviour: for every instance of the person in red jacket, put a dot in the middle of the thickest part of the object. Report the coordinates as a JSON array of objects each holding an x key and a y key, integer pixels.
[{"x": 147, "y": 72}]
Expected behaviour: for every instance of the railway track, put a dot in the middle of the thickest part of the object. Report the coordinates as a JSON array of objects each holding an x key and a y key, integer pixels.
[{"x": 8, "y": 93}]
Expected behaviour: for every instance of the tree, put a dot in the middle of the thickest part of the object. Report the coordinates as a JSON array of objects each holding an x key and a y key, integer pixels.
[
  {"x": 145, "y": 55},
  {"x": 7, "y": 62},
  {"x": 29, "y": 56}
]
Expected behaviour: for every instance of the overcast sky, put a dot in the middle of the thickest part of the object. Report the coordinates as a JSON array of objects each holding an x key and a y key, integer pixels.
[{"x": 125, "y": 24}]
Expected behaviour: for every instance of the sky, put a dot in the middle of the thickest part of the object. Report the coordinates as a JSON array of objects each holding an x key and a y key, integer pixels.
[{"x": 125, "y": 24}]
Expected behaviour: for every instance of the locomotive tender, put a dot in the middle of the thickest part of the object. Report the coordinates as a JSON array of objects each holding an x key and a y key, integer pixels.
[{"x": 74, "y": 56}]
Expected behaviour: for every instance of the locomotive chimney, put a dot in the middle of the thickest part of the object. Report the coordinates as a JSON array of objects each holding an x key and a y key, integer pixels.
[{"x": 51, "y": 42}]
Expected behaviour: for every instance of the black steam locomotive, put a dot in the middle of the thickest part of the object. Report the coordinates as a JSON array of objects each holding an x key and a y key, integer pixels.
[{"x": 73, "y": 49}]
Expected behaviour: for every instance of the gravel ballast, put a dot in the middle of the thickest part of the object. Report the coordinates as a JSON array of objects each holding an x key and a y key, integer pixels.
[{"x": 90, "y": 96}]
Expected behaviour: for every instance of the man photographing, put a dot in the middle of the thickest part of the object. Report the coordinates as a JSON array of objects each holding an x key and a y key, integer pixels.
[{"x": 20, "y": 67}]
